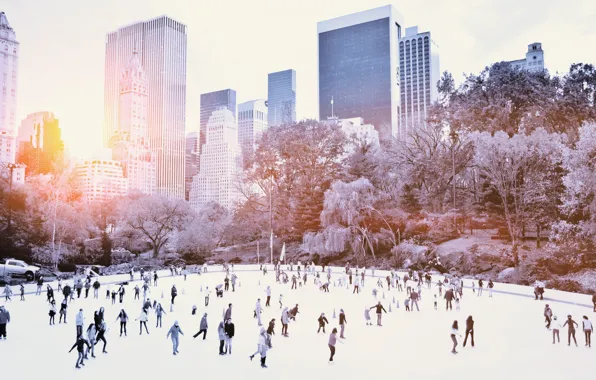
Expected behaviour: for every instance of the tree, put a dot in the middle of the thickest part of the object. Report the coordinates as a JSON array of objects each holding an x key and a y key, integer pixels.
[
  {"x": 156, "y": 218},
  {"x": 292, "y": 167},
  {"x": 517, "y": 169}
]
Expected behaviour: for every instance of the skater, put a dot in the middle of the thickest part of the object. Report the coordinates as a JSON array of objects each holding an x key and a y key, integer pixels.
[
  {"x": 435, "y": 303},
  {"x": 469, "y": 330},
  {"x": 121, "y": 292},
  {"x": 454, "y": 334},
  {"x": 137, "y": 292},
  {"x": 449, "y": 296},
  {"x": 268, "y": 292},
  {"x": 155, "y": 277},
  {"x": 332, "y": 343},
  {"x": 226, "y": 284},
  {"x": 101, "y": 332},
  {"x": 594, "y": 302},
  {"x": 414, "y": 300},
  {"x": 174, "y": 332},
  {"x": 159, "y": 312},
  {"x": 207, "y": 292},
  {"x": 80, "y": 345},
  {"x": 367, "y": 316},
  {"x": 202, "y": 327},
  {"x": 7, "y": 293},
  {"x": 548, "y": 313},
  {"x": 91, "y": 335},
  {"x": 258, "y": 311},
  {"x": 556, "y": 328},
  {"x": 322, "y": 321},
  {"x": 143, "y": 318},
  {"x": 228, "y": 313},
  {"x": 480, "y": 287},
  {"x": 234, "y": 279},
  {"x": 87, "y": 287},
  {"x": 281, "y": 296},
  {"x": 456, "y": 303},
  {"x": 96, "y": 286},
  {"x": 39, "y": 285},
  {"x": 221, "y": 331},
  {"x": 62, "y": 311},
  {"x": 285, "y": 320},
  {"x": 123, "y": 317},
  {"x": 342, "y": 323},
  {"x": 407, "y": 304},
  {"x": 4, "y": 320},
  {"x": 588, "y": 329},
  {"x": 22, "y": 292},
  {"x": 491, "y": 285},
  {"x": 79, "y": 322},
  {"x": 570, "y": 323},
  {"x": 52, "y": 312},
  {"x": 379, "y": 309},
  {"x": 174, "y": 293},
  {"x": 263, "y": 345},
  {"x": 356, "y": 285},
  {"x": 229, "y": 329},
  {"x": 271, "y": 327}
]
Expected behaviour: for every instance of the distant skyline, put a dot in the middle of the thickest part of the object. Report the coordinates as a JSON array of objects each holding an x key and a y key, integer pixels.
[{"x": 61, "y": 64}]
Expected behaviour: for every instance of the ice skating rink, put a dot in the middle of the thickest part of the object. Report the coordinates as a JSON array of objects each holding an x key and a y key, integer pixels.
[{"x": 511, "y": 340}]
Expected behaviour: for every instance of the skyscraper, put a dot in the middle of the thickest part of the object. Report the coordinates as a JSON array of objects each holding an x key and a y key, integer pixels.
[
  {"x": 190, "y": 161},
  {"x": 161, "y": 47},
  {"x": 130, "y": 142},
  {"x": 100, "y": 180},
  {"x": 359, "y": 68},
  {"x": 41, "y": 147},
  {"x": 419, "y": 71},
  {"x": 252, "y": 123},
  {"x": 218, "y": 176},
  {"x": 9, "y": 57},
  {"x": 534, "y": 60},
  {"x": 281, "y": 97},
  {"x": 210, "y": 102}
]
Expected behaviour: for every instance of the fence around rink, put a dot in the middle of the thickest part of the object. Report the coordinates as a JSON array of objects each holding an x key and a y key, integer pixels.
[{"x": 575, "y": 299}]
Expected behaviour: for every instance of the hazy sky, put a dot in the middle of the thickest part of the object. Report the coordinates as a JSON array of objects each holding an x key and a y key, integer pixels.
[{"x": 235, "y": 43}]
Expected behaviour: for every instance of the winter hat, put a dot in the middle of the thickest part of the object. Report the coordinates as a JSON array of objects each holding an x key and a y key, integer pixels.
[
  {"x": 341, "y": 310},
  {"x": 555, "y": 317},
  {"x": 175, "y": 323}
]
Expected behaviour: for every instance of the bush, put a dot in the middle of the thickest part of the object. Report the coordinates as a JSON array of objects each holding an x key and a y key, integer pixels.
[
  {"x": 565, "y": 285},
  {"x": 235, "y": 260},
  {"x": 67, "y": 267}
]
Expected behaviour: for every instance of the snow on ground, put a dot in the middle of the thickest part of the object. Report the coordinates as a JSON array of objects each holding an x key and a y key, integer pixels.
[{"x": 511, "y": 341}]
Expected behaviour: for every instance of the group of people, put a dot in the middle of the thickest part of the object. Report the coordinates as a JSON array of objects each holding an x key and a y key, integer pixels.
[{"x": 554, "y": 324}]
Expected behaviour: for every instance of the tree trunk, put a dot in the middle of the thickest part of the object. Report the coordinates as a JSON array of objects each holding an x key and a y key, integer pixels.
[{"x": 538, "y": 236}]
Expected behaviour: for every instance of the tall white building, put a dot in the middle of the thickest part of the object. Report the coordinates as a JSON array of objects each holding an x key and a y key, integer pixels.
[
  {"x": 9, "y": 58},
  {"x": 130, "y": 142},
  {"x": 101, "y": 180},
  {"x": 252, "y": 122},
  {"x": 534, "y": 60},
  {"x": 220, "y": 164},
  {"x": 419, "y": 72},
  {"x": 161, "y": 44}
]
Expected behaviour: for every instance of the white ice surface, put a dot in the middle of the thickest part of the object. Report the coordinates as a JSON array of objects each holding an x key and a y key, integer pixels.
[{"x": 511, "y": 341}]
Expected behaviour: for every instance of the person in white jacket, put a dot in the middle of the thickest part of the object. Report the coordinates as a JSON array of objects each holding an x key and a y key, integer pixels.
[
  {"x": 80, "y": 320},
  {"x": 258, "y": 311},
  {"x": 588, "y": 329},
  {"x": 143, "y": 318},
  {"x": 556, "y": 325},
  {"x": 454, "y": 334},
  {"x": 268, "y": 293},
  {"x": 285, "y": 320}
]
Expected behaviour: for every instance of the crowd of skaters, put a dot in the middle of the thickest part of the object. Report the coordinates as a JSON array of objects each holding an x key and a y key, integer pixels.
[{"x": 413, "y": 285}]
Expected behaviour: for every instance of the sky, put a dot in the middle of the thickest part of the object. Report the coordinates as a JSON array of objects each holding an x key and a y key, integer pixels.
[{"x": 235, "y": 43}]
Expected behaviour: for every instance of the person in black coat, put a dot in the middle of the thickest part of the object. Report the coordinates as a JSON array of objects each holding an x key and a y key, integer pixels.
[
  {"x": 322, "y": 321},
  {"x": 449, "y": 296},
  {"x": 66, "y": 291},
  {"x": 469, "y": 330},
  {"x": 594, "y": 302},
  {"x": 230, "y": 331},
  {"x": 80, "y": 345},
  {"x": 380, "y": 310}
]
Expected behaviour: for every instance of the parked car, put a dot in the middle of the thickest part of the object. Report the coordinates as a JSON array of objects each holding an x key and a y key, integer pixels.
[{"x": 18, "y": 268}]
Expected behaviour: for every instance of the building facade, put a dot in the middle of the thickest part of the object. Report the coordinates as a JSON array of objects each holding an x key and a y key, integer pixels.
[
  {"x": 220, "y": 168},
  {"x": 41, "y": 147},
  {"x": 9, "y": 59},
  {"x": 101, "y": 180},
  {"x": 252, "y": 123},
  {"x": 211, "y": 102},
  {"x": 161, "y": 44},
  {"x": 358, "y": 66},
  {"x": 190, "y": 160},
  {"x": 419, "y": 74},
  {"x": 534, "y": 60},
  {"x": 130, "y": 142},
  {"x": 281, "y": 97}
]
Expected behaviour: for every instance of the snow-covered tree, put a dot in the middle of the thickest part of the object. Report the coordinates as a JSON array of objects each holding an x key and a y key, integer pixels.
[
  {"x": 155, "y": 218},
  {"x": 518, "y": 169}
]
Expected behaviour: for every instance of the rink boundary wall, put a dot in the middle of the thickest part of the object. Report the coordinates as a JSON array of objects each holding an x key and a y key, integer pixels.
[{"x": 164, "y": 273}]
